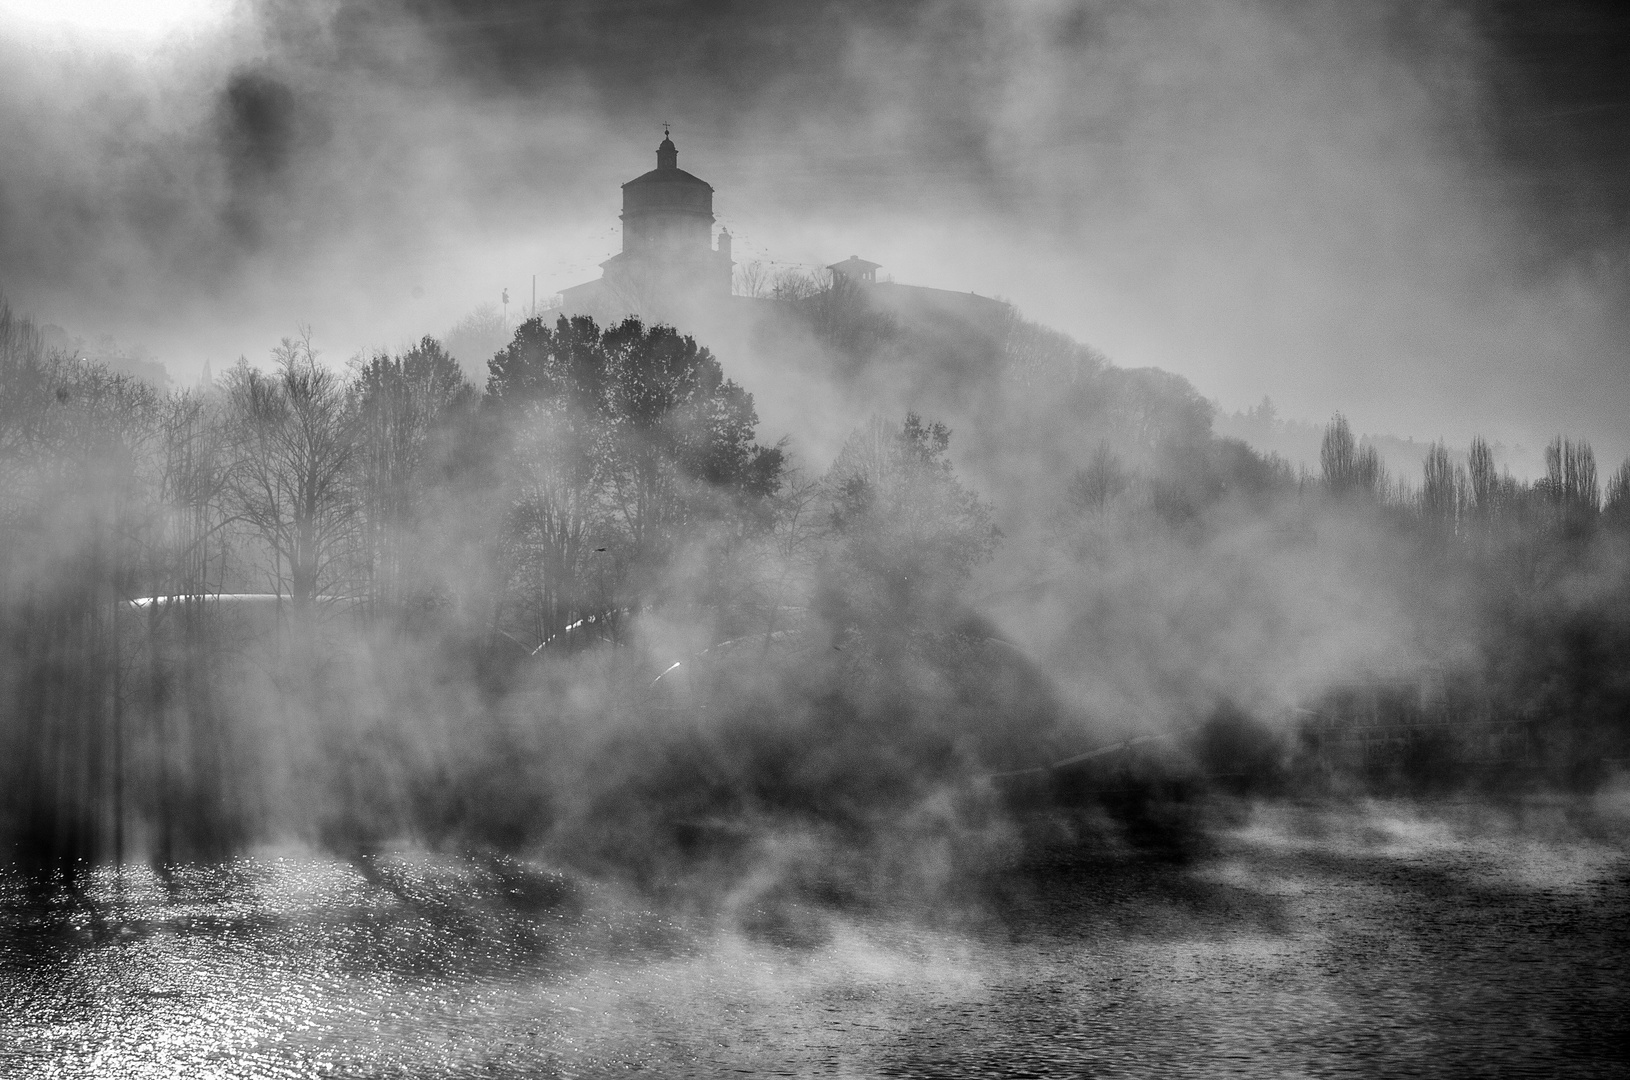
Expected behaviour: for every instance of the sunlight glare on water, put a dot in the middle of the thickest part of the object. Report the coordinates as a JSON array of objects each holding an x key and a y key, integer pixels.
[{"x": 1429, "y": 955}]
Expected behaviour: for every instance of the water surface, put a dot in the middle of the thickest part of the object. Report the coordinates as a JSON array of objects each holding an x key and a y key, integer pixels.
[{"x": 1369, "y": 941}]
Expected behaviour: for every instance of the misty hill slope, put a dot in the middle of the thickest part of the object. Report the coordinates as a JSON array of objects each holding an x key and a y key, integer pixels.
[
  {"x": 1153, "y": 569},
  {"x": 1029, "y": 406},
  {"x": 1107, "y": 483}
]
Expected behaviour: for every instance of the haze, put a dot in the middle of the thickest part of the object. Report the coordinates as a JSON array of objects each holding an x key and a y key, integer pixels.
[{"x": 1413, "y": 213}]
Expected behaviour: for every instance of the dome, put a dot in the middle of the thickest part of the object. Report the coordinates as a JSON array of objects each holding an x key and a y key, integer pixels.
[
  {"x": 668, "y": 170},
  {"x": 667, "y": 188},
  {"x": 669, "y": 176}
]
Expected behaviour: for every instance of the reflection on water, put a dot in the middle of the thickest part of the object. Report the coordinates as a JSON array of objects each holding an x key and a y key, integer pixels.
[{"x": 1301, "y": 943}]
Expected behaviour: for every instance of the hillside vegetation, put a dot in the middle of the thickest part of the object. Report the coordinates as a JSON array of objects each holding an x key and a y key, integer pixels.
[{"x": 590, "y": 609}]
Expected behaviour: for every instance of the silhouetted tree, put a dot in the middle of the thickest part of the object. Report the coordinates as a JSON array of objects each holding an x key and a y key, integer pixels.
[
  {"x": 549, "y": 388},
  {"x": 1347, "y": 467},
  {"x": 1484, "y": 481},
  {"x": 1616, "y": 504},
  {"x": 631, "y": 437},
  {"x": 1338, "y": 455},
  {"x": 752, "y": 279},
  {"x": 291, "y": 482},
  {"x": 795, "y": 285},
  {"x": 401, "y": 408},
  {"x": 1442, "y": 489},
  {"x": 1570, "y": 478},
  {"x": 682, "y": 443}
]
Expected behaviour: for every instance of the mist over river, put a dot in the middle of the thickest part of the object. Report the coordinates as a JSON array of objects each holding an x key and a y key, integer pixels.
[
  {"x": 1381, "y": 939},
  {"x": 931, "y": 538}
]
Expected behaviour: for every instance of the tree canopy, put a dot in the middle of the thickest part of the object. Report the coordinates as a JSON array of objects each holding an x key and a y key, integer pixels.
[{"x": 626, "y": 445}]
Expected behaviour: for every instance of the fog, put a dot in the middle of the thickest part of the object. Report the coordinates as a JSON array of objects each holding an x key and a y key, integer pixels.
[
  {"x": 936, "y": 653},
  {"x": 1408, "y": 212}
]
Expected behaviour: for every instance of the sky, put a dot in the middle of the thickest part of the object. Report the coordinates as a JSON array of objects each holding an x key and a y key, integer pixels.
[{"x": 1417, "y": 213}]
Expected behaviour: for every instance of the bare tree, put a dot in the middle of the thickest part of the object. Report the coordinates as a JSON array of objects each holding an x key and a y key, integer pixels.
[
  {"x": 1442, "y": 489},
  {"x": 1485, "y": 483},
  {"x": 753, "y": 279},
  {"x": 1097, "y": 485},
  {"x": 1617, "y": 503},
  {"x": 793, "y": 284},
  {"x": 1348, "y": 467},
  {"x": 291, "y": 482},
  {"x": 1338, "y": 455},
  {"x": 1570, "y": 476}
]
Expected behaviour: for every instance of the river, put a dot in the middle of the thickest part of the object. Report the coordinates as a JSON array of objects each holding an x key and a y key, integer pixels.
[{"x": 1376, "y": 939}]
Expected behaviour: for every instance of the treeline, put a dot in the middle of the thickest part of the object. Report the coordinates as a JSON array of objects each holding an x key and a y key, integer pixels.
[
  {"x": 1460, "y": 498},
  {"x": 1484, "y": 619},
  {"x": 595, "y": 462},
  {"x": 1541, "y": 575},
  {"x": 329, "y": 600}
]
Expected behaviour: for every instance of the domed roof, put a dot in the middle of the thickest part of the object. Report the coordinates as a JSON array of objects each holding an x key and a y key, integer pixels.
[
  {"x": 668, "y": 170},
  {"x": 668, "y": 176}
]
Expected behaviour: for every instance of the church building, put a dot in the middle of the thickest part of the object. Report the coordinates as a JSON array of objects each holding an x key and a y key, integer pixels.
[
  {"x": 671, "y": 270},
  {"x": 668, "y": 260}
]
